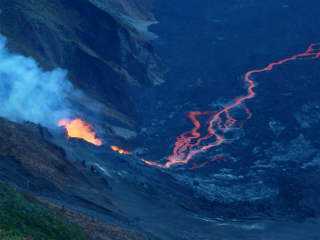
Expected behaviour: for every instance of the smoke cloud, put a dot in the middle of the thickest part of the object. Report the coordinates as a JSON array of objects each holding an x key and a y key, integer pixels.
[{"x": 28, "y": 93}]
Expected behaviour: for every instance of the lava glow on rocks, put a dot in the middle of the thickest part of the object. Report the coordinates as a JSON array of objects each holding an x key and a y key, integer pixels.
[
  {"x": 192, "y": 143},
  {"x": 78, "y": 128},
  {"x": 119, "y": 150}
]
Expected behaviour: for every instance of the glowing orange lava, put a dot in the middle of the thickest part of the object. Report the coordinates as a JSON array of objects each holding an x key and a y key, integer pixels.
[
  {"x": 77, "y": 128},
  {"x": 192, "y": 143},
  {"x": 120, "y": 150}
]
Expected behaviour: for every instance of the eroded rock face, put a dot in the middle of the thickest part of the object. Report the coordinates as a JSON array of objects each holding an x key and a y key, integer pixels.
[
  {"x": 137, "y": 9},
  {"x": 102, "y": 54}
]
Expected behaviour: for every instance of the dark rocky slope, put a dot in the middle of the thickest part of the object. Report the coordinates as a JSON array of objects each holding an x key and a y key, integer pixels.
[
  {"x": 104, "y": 57},
  {"x": 23, "y": 217},
  {"x": 78, "y": 191},
  {"x": 135, "y": 9}
]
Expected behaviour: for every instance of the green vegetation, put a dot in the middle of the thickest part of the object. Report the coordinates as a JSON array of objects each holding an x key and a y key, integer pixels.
[{"x": 24, "y": 219}]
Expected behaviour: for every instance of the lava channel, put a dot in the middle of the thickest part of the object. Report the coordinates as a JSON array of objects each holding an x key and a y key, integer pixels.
[
  {"x": 192, "y": 143},
  {"x": 120, "y": 150}
]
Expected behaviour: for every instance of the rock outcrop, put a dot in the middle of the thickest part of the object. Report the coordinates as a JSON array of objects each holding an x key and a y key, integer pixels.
[{"x": 104, "y": 56}]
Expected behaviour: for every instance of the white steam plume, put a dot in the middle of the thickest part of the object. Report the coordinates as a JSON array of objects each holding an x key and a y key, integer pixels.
[{"x": 28, "y": 93}]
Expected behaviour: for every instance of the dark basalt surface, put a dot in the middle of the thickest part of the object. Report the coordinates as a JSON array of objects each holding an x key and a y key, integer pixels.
[{"x": 104, "y": 58}]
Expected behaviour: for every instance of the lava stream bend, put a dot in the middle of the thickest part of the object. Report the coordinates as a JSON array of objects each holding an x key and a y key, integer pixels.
[{"x": 191, "y": 143}]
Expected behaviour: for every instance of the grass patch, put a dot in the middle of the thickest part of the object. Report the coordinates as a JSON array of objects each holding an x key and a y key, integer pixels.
[{"x": 23, "y": 219}]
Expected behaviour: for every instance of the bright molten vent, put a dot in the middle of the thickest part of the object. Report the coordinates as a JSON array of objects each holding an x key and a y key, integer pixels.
[
  {"x": 77, "y": 128},
  {"x": 119, "y": 150}
]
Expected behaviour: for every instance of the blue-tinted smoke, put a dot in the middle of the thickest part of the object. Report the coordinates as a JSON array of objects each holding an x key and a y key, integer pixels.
[{"x": 28, "y": 93}]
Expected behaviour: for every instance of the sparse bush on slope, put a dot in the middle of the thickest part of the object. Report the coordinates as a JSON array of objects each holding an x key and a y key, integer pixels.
[{"x": 24, "y": 219}]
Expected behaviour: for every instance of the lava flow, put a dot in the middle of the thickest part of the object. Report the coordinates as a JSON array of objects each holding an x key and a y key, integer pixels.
[
  {"x": 120, "y": 150},
  {"x": 77, "y": 128},
  {"x": 192, "y": 142}
]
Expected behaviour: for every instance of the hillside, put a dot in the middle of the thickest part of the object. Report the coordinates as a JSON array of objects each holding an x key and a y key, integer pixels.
[{"x": 22, "y": 217}]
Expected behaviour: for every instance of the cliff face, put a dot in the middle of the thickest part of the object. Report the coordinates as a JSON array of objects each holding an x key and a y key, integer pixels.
[
  {"x": 137, "y": 9},
  {"x": 136, "y": 15},
  {"x": 104, "y": 57}
]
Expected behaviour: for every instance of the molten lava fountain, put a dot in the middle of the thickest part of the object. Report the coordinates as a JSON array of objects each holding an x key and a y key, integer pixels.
[{"x": 78, "y": 128}]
